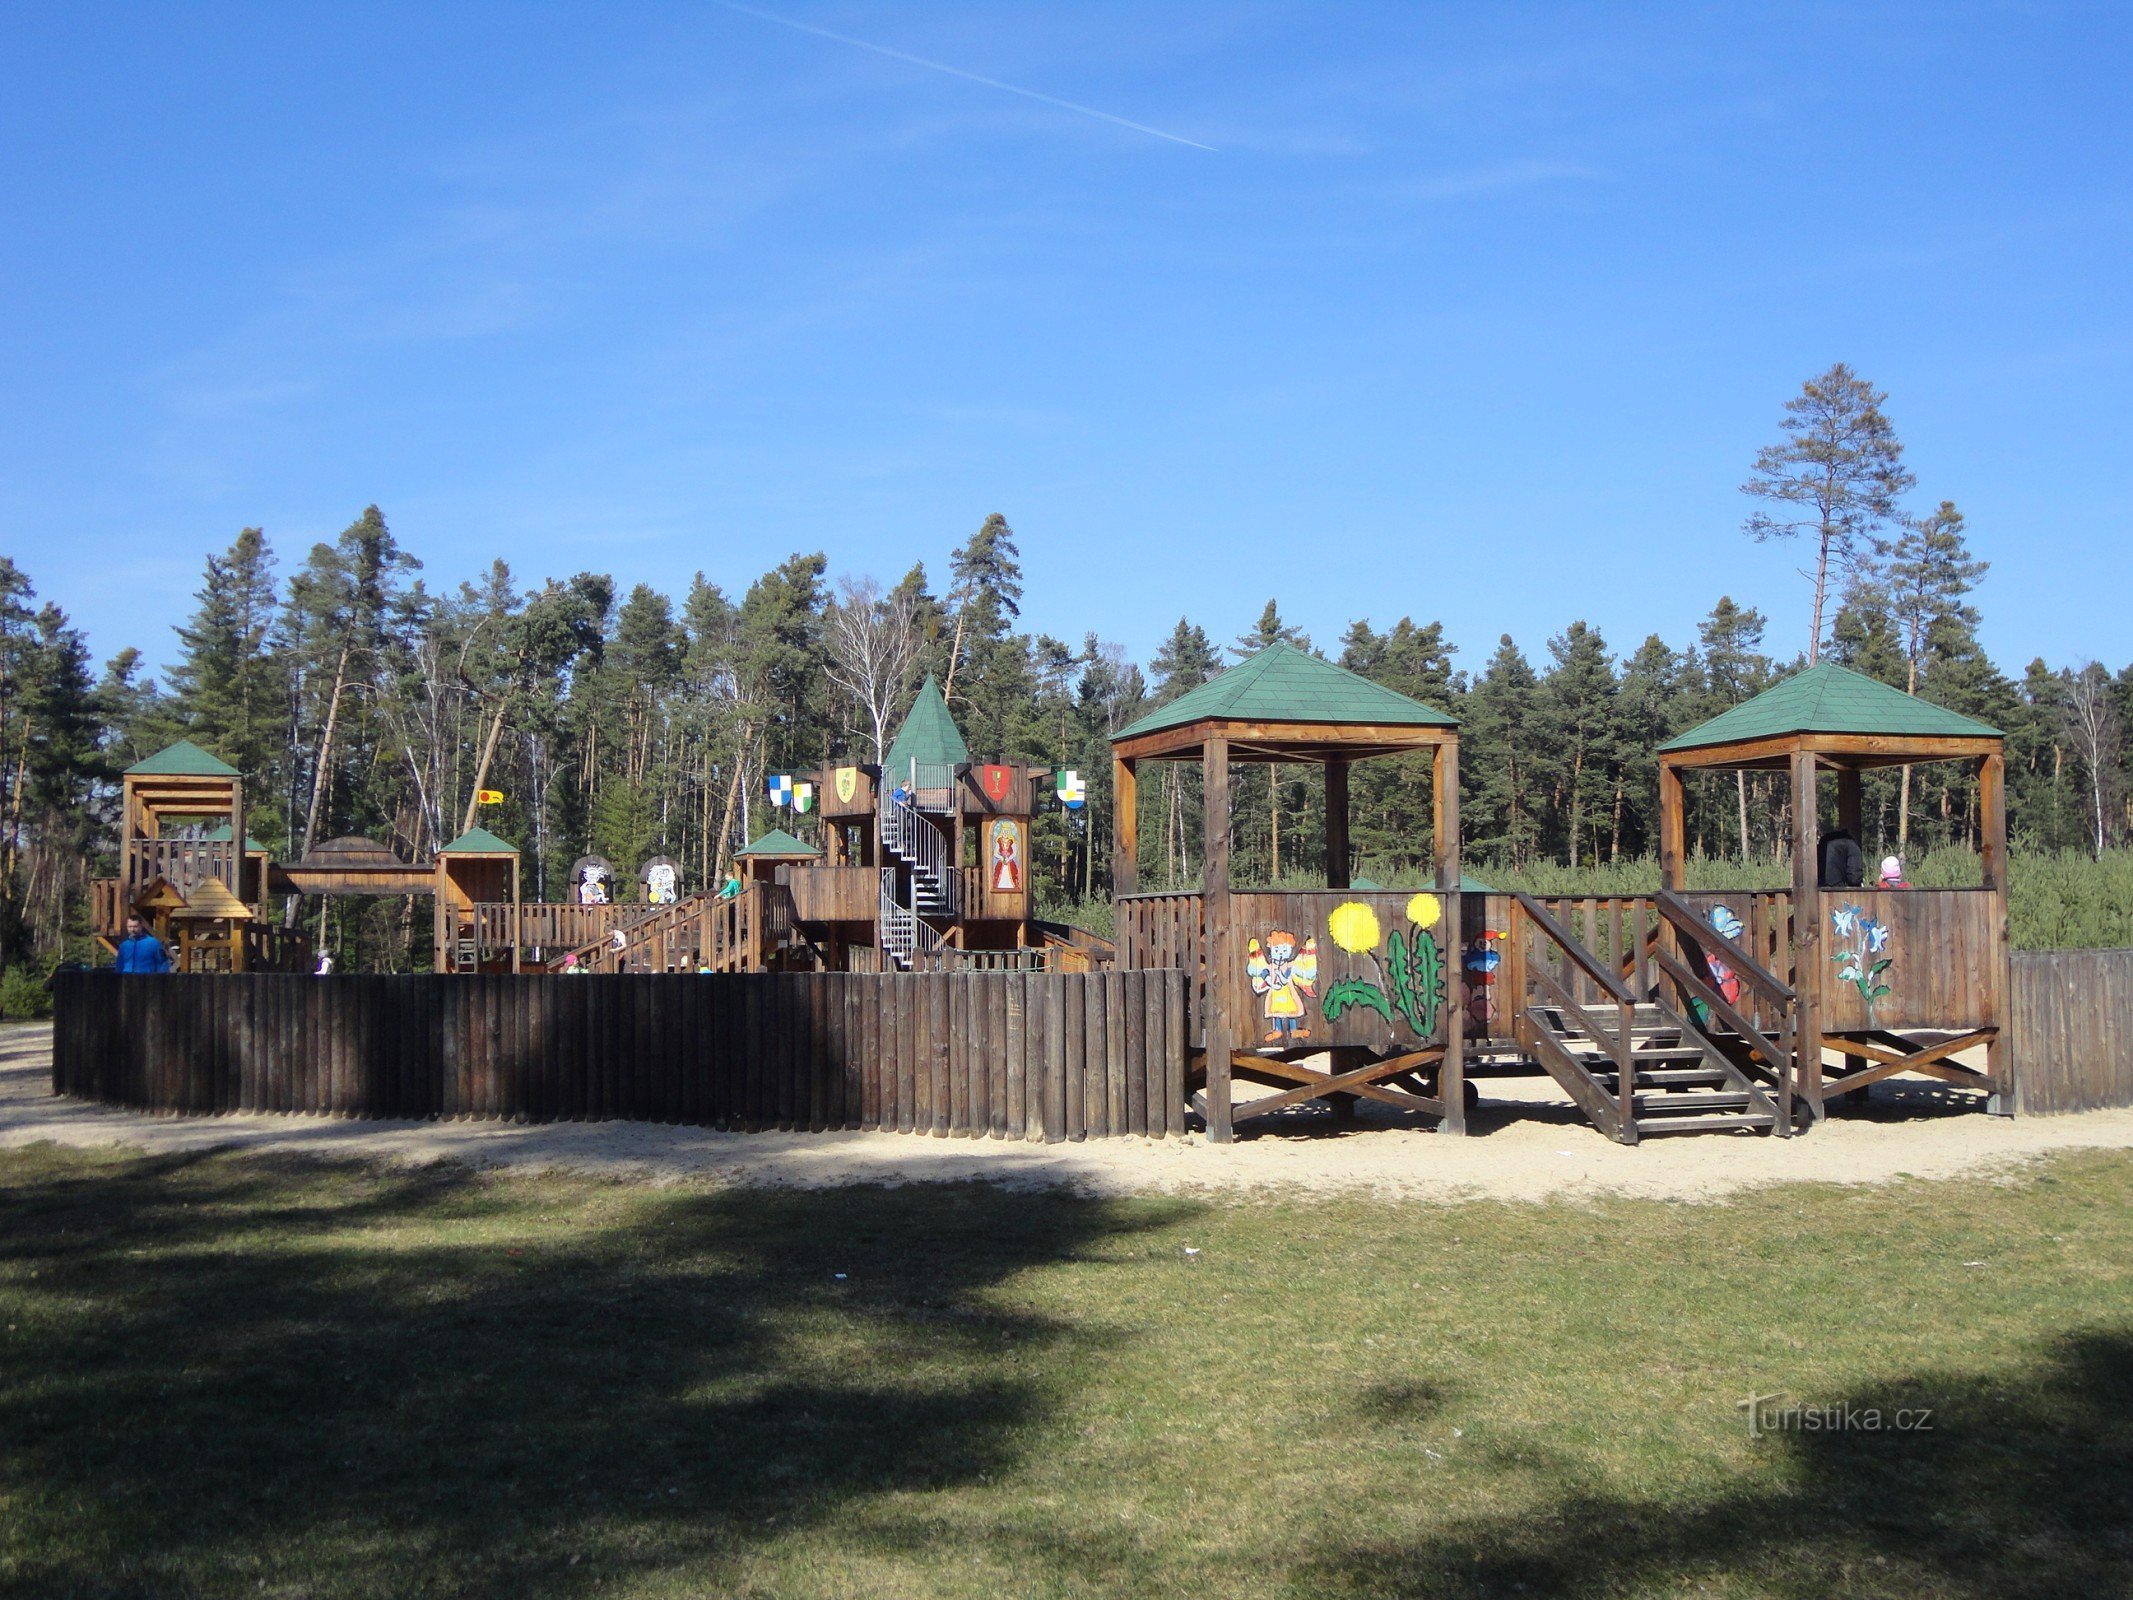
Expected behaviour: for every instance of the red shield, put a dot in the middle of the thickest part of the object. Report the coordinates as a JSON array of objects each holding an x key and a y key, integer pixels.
[{"x": 995, "y": 782}]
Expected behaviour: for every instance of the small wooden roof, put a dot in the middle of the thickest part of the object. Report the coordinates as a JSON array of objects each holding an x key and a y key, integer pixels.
[
  {"x": 1832, "y": 711},
  {"x": 778, "y": 845},
  {"x": 929, "y": 735},
  {"x": 1285, "y": 704},
  {"x": 211, "y": 900},
  {"x": 182, "y": 760},
  {"x": 352, "y": 852},
  {"x": 478, "y": 842}
]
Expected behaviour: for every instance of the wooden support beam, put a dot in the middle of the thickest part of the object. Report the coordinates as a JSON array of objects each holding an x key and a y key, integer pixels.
[
  {"x": 1992, "y": 843},
  {"x": 1125, "y": 826},
  {"x": 1444, "y": 808},
  {"x": 1214, "y": 760},
  {"x": 1337, "y": 866},
  {"x": 1807, "y": 930}
]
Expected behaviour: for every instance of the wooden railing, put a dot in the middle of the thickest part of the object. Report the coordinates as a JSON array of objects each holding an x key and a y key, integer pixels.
[
  {"x": 1765, "y": 1022},
  {"x": 948, "y": 959},
  {"x": 700, "y": 933},
  {"x": 107, "y": 908},
  {"x": 1552, "y": 966},
  {"x": 546, "y": 926},
  {"x": 182, "y": 863}
]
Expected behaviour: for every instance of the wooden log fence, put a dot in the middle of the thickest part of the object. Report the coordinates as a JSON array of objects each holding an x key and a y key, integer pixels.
[
  {"x": 2071, "y": 1024},
  {"x": 1039, "y": 1056}
]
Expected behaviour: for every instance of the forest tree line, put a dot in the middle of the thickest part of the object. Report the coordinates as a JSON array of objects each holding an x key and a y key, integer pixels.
[{"x": 358, "y": 696}]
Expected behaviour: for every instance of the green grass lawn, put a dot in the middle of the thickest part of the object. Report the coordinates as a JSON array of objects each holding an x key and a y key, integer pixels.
[{"x": 229, "y": 1376}]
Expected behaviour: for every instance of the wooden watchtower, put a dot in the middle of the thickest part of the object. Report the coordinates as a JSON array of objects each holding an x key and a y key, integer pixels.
[
  {"x": 181, "y": 820},
  {"x": 1891, "y": 980},
  {"x": 477, "y": 877},
  {"x": 1282, "y": 975}
]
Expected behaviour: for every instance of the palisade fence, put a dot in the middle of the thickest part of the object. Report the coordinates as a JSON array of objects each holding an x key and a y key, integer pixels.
[
  {"x": 2070, "y": 1020},
  {"x": 1017, "y": 1055}
]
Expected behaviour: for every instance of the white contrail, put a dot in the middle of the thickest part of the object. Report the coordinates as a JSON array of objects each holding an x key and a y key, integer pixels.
[{"x": 958, "y": 72}]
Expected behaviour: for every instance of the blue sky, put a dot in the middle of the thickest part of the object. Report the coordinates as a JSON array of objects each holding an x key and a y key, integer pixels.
[{"x": 1472, "y": 313}]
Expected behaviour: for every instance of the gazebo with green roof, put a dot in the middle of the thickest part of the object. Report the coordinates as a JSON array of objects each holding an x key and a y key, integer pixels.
[
  {"x": 1935, "y": 981},
  {"x": 1285, "y": 705}
]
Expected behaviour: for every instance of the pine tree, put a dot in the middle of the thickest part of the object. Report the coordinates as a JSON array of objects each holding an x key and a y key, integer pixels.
[
  {"x": 1581, "y": 720},
  {"x": 1837, "y": 476},
  {"x": 1500, "y": 807}
]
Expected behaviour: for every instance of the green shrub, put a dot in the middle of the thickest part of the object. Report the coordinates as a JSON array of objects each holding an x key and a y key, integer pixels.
[{"x": 23, "y": 995}]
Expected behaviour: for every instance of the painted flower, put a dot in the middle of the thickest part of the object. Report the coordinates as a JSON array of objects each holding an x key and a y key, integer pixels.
[
  {"x": 1354, "y": 927},
  {"x": 1845, "y": 919},
  {"x": 1727, "y": 924},
  {"x": 1877, "y": 936},
  {"x": 1424, "y": 910}
]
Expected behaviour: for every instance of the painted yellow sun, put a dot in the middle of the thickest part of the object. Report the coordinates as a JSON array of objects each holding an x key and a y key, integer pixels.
[
  {"x": 1424, "y": 910},
  {"x": 1354, "y": 927}
]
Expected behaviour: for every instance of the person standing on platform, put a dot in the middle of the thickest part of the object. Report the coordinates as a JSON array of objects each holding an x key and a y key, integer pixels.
[{"x": 140, "y": 950}]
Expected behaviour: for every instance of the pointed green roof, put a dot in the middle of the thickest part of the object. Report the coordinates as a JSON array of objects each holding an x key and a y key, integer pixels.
[
  {"x": 928, "y": 736},
  {"x": 479, "y": 842},
  {"x": 1827, "y": 698},
  {"x": 221, "y": 832},
  {"x": 777, "y": 842},
  {"x": 183, "y": 760},
  {"x": 1284, "y": 684}
]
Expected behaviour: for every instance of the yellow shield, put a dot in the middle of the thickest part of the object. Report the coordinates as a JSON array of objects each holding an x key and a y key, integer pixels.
[{"x": 847, "y": 784}]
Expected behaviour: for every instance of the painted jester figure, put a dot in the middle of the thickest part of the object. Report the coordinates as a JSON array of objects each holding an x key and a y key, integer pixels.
[{"x": 1286, "y": 977}]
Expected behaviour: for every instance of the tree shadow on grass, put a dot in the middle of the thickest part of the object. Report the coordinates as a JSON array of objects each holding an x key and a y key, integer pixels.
[
  {"x": 238, "y": 1374},
  {"x": 2022, "y": 1487}
]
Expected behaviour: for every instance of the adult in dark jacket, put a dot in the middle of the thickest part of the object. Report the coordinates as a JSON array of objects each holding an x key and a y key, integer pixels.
[
  {"x": 1843, "y": 862},
  {"x": 140, "y": 950}
]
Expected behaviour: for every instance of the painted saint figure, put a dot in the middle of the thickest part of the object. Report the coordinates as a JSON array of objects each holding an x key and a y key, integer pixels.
[
  {"x": 1286, "y": 977},
  {"x": 1006, "y": 858},
  {"x": 659, "y": 886}
]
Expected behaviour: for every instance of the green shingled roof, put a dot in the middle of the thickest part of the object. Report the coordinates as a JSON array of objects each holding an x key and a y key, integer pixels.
[
  {"x": 478, "y": 842},
  {"x": 220, "y": 833},
  {"x": 1284, "y": 684},
  {"x": 777, "y": 842},
  {"x": 183, "y": 760},
  {"x": 1827, "y": 698},
  {"x": 928, "y": 736}
]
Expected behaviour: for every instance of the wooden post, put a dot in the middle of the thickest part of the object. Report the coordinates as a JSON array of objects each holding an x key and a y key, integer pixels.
[
  {"x": 1337, "y": 869},
  {"x": 237, "y": 856},
  {"x": 516, "y": 942},
  {"x": 1850, "y": 804},
  {"x": 1992, "y": 843},
  {"x": 1807, "y": 931},
  {"x": 1214, "y": 757},
  {"x": 1851, "y": 817},
  {"x": 1444, "y": 808},
  {"x": 1125, "y": 827},
  {"x": 1673, "y": 867}
]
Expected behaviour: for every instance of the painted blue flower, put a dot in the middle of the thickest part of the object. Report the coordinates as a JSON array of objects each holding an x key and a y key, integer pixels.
[
  {"x": 1846, "y": 920},
  {"x": 1877, "y": 936},
  {"x": 1723, "y": 919}
]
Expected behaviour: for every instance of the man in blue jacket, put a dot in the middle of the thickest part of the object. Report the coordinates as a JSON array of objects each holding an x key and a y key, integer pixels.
[{"x": 140, "y": 950}]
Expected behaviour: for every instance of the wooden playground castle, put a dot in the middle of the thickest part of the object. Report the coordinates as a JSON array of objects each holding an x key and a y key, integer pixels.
[{"x": 1675, "y": 1012}]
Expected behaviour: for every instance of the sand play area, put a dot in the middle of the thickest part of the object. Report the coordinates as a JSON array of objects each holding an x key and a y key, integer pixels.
[{"x": 1527, "y": 1143}]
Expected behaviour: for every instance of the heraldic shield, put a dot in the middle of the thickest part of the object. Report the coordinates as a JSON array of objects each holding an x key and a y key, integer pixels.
[
  {"x": 847, "y": 780},
  {"x": 996, "y": 781}
]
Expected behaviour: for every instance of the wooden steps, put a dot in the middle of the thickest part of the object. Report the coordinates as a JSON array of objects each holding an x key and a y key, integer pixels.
[{"x": 1679, "y": 1081}]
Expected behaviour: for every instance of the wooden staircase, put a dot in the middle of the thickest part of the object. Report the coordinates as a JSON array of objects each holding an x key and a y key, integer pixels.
[
  {"x": 1636, "y": 1064},
  {"x": 1679, "y": 1081}
]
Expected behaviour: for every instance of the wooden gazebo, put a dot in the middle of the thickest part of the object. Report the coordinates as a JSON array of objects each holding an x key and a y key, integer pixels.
[
  {"x": 476, "y": 878},
  {"x": 1370, "y": 978},
  {"x": 1892, "y": 980}
]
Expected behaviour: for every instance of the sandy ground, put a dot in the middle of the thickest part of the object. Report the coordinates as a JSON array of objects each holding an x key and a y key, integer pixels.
[{"x": 1529, "y": 1143}]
